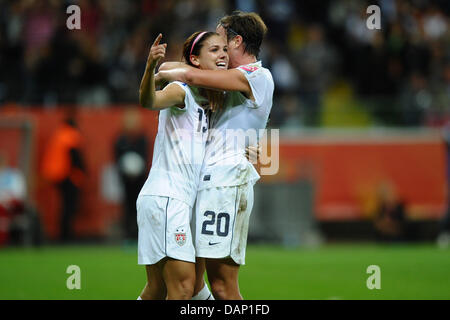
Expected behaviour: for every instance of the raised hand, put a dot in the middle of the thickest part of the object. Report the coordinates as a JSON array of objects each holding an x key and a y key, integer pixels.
[{"x": 157, "y": 52}]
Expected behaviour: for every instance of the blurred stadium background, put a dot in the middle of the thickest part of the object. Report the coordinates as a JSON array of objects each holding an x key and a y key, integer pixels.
[{"x": 364, "y": 119}]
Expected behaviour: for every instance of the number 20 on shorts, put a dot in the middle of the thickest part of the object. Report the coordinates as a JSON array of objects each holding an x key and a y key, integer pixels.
[{"x": 221, "y": 221}]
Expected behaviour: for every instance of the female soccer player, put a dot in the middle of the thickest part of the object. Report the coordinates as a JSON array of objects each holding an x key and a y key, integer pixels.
[
  {"x": 225, "y": 198},
  {"x": 164, "y": 205}
]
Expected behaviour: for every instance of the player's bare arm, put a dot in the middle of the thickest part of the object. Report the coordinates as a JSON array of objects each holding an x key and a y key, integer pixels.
[
  {"x": 148, "y": 96},
  {"x": 227, "y": 80},
  {"x": 169, "y": 65}
]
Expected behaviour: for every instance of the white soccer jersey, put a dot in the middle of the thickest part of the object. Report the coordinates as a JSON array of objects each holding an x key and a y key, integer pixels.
[
  {"x": 179, "y": 150},
  {"x": 236, "y": 126}
]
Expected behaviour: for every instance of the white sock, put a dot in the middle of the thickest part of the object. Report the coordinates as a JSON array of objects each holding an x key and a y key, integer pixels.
[
  {"x": 204, "y": 294},
  {"x": 139, "y": 298}
]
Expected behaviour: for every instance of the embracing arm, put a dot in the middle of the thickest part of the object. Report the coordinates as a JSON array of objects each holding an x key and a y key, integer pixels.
[{"x": 227, "y": 80}]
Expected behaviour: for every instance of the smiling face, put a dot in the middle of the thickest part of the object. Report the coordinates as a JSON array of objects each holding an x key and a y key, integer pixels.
[
  {"x": 213, "y": 54},
  {"x": 223, "y": 34}
]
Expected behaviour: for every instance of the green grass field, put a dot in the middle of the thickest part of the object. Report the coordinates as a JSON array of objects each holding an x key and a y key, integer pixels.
[{"x": 329, "y": 272}]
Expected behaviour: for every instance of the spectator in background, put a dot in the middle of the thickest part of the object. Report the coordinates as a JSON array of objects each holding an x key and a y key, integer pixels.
[
  {"x": 39, "y": 23},
  {"x": 19, "y": 220},
  {"x": 315, "y": 62},
  {"x": 279, "y": 15},
  {"x": 12, "y": 197},
  {"x": 443, "y": 239},
  {"x": 63, "y": 165},
  {"x": 434, "y": 23},
  {"x": 128, "y": 64},
  {"x": 12, "y": 182},
  {"x": 291, "y": 112},
  {"x": 131, "y": 157},
  {"x": 415, "y": 100},
  {"x": 390, "y": 219},
  {"x": 441, "y": 98},
  {"x": 283, "y": 70}
]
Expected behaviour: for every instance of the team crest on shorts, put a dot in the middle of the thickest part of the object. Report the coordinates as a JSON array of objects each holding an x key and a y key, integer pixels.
[{"x": 180, "y": 236}]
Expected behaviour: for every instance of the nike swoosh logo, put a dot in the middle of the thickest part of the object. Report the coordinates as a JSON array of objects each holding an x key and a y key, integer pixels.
[{"x": 213, "y": 243}]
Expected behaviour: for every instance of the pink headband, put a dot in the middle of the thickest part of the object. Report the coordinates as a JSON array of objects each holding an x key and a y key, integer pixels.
[{"x": 196, "y": 40}]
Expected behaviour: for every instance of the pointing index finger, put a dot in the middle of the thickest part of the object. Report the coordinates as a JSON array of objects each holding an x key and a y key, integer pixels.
[{"x": 157, "y": 40}]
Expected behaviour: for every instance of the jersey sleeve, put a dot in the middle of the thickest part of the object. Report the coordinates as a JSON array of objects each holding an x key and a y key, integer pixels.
[
  {"x": 187, "y": 96},
  {"x": 258, "y": 81},
  {"x": 183, "y": 85}
]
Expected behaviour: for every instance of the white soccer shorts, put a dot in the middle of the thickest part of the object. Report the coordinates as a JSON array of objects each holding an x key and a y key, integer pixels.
[
  {"x": 222, "y": 217},
  {"x": 164, "y": 230}
]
